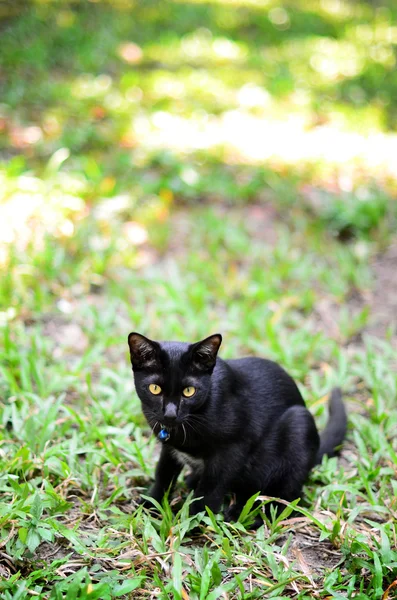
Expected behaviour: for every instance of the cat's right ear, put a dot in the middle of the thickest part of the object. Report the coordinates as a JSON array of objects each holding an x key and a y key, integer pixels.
[
  {"x": 204, "y": 353},
  {"x": 143, "y": 352}
]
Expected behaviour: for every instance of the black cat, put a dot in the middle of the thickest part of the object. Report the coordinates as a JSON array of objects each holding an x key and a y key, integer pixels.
[{"x": 240, "y": 425}]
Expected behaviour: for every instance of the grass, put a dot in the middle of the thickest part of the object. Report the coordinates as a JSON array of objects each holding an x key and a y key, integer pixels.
[{"x": 104, "y": 230}]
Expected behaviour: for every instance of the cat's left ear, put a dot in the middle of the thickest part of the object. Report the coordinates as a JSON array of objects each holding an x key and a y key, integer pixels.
[
  {"x": 204, "y": 353},
  {"x": 143, "y": 352}
]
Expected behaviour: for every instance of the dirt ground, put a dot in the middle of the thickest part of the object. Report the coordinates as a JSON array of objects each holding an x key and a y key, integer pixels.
[{"x": 383, "y": 302}]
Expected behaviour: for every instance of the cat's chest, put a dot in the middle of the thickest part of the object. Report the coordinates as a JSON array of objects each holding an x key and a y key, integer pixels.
[{"x": 195, "y": 463}]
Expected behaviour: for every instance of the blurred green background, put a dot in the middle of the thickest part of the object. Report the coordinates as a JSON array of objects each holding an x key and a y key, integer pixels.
[{"x": 115, "y": 114}]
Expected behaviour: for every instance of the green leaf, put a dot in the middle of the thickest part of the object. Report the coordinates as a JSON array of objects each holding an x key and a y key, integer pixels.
[
  {"x": 387, "y": 554},
  {"x": 378, "y": 576},
  {"x": 20, "y": 593},
  {"x": 247, "y": 508},
  {"x": 177, "y": 573},
  {"x": 36, "y": 509},
  {"x": 46, "y": 534},
  {"x": 32, "y": 540},
  {"x": 23, "y": 534},
  {"x": 206, "y": 576},
  {"x": 223, "y": 589},
  {"x": 70, "y": 535},
  {"x": 153, "y": 536},
  {"x": 127, "y": 586},
  {"x": 216, "y": 574}
]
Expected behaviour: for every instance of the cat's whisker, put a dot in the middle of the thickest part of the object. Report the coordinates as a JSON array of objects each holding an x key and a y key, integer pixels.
[
  {"x": 200, "y": 423},
  {"x": 151, "y": 418},
  {"x": 192, "y": 427},
  {"x": 184, "y": 432},
  {"x": 197, "y": 417}
]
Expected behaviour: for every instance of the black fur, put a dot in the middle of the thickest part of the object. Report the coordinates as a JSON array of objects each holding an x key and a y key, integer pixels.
[{"x": 247, "y": 423}]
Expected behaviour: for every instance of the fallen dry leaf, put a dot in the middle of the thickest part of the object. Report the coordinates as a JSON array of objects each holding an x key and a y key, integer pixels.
[
  {"x": 304, "y": 566},
  {"x": 185, "y": 595},
  {"x": 386, "y": 595}
]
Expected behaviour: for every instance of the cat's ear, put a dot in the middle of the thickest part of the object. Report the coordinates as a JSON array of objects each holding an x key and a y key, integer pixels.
[
  {"x": 143, "y": 352},
  {"x": 204, "y": 353}
]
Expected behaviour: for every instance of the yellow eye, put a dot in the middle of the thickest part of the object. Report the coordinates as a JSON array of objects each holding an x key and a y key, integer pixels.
[
  {"x": 188, "y": 392},
  {"x": 155, "y": 389}
]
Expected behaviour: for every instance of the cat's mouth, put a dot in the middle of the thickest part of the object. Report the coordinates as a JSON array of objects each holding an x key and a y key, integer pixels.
[
  {"x": 170, "y": 425},
  {"x": 156, "y": 425},
  {"x": 164, "y": 431},
  {"x": 159, "y": 426}
]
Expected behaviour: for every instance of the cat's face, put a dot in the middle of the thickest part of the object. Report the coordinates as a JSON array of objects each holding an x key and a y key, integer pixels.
[{"x": 172, "y": 379}]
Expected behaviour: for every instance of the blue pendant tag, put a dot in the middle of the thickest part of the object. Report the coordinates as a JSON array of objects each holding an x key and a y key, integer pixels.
[{"x": 163, "y": 435}]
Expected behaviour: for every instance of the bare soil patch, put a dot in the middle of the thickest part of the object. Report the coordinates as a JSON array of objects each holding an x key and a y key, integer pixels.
[{"x": 383, "y": 304}]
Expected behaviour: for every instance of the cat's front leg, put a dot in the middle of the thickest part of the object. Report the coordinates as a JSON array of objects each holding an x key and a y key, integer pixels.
[
  {"x": 192, "y": 479},
  {"x": 204, "y": 497},
  {"x": 167, "y": 471},
  {"x": 216, "y": 480}
]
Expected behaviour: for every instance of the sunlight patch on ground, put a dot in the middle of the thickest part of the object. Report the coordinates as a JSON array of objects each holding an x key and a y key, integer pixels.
[
  {"x": 259, "y": 139},
  {"x": 30, "y": 208}
]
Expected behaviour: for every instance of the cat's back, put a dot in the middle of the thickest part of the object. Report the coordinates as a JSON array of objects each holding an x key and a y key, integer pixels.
[{"x": 266, "y": 379}]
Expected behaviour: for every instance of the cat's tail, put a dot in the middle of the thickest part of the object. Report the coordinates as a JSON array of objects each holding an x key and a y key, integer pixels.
[{"x": 334, "y": 433}]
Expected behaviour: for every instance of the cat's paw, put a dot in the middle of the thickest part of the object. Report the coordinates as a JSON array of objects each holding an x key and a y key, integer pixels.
[
  {"x": 196, "y": 531},
  {"x": 196, "y": 507},
  {"x": 231, "y": 513}
]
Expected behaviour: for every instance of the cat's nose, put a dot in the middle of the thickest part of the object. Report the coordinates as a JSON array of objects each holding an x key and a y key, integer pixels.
[{"x": 170, "y": 413}]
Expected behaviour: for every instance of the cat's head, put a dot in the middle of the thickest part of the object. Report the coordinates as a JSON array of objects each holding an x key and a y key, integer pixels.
[{"x": 172, "y": 379}]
